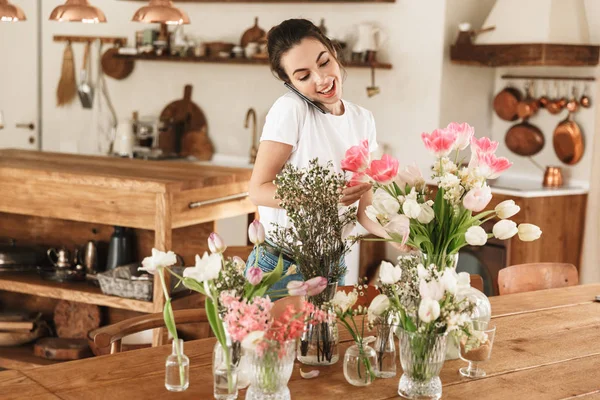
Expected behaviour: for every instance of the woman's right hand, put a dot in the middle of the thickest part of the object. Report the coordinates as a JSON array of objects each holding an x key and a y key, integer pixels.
[{"x": 350, "y": 195}]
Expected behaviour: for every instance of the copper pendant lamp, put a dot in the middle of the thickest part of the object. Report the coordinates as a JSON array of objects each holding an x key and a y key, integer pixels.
[
  {"x": 161, "y": 11},
  {"x": 10, "y": 12},
  {"x": 77, "y": 11}
]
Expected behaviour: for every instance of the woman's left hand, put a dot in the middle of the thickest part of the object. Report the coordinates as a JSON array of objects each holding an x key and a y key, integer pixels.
[{"x": 354, "y": 193}]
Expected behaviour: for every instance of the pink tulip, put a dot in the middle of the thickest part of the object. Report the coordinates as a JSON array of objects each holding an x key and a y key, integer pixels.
[
  {"x": 464, "y": 134},
  {"x": 410, "y": 175},
  {"x": 296, "y": 288},
  {"x": 477, "y": 199},
  {"x": 216, "y": 243},
  {"x": 357, "y": 157},
  {"x": 439, "y": 142},
  {"x": 254, "y": 275},
  {"x": 358, "y": 178},
  {"x": 399, "y": 226},
  {"x": 315, "y": 286},
  {"x": 491, "y": 166},
  {"x": 256, "y": 232},
  {"x": 483, "y": 145},
  {"x": 383, "y": 171}
]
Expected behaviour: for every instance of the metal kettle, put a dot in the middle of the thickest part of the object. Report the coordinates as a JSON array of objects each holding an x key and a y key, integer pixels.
[{"x": 60, "y": 258}]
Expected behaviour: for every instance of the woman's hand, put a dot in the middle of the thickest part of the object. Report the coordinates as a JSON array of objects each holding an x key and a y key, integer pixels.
[{"x": 354, "y": 193}]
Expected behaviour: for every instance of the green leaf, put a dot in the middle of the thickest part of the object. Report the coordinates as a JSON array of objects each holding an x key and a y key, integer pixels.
[
  {"x": 169, "y": 320},
  {"x": 214, "y": 321},
  {"x": 194, "y": 285},
  {"x": 410, "y": 325}
]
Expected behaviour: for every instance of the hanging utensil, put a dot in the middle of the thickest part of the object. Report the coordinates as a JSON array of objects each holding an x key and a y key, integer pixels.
[
  {"x": 525, "y": 139},
  {"x": 556, "y": 105},
  {"x": 585, "y": 100},
  {"x": 568, "y": 139},
  {"x": 114, "y": 66},
  {"x": 67, "y": 86},
  {"x": 372, "y": 90},
  {"x": 85, "y": 90},
  {"x": 529, "y": 106},
  {"x": 505, "y": 103}
]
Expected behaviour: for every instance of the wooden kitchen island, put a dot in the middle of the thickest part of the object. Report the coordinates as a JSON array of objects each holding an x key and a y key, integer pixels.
[{"x": 57, "y": 199}]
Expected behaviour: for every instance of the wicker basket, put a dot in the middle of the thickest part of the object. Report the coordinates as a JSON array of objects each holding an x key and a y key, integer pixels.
[{"x": 118, "y": 282}]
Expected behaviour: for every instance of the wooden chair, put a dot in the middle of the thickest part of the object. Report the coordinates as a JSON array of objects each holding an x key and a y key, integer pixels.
[
  {"x": 112, "y": 335},
  {"x": 536, "y": 276},
  {"x": 477, "y": 282}
]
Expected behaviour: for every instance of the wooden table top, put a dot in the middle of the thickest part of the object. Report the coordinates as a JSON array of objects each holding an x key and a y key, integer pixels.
[
  {"x": 546, "y": 347},
  {"x": 115, "y": 172}
]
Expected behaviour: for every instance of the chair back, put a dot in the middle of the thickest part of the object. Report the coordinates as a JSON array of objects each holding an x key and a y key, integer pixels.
[
  {"x": 536, "y": 276},
  {"x": 477, "y": 282}
]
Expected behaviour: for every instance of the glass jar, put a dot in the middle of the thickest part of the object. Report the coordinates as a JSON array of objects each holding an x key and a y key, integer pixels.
[
  {"x": 177, "y": 372},
  {"x": 385, "y": 348},
  {"x": 359, "y": 364},
  {"x": 271, "y": 365},
  {"x": 422, "y": 358},
  {"x": 319, "y": 342},
  {"x": 224, "y": 373}
]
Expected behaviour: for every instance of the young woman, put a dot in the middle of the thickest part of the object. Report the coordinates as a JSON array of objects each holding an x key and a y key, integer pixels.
[{"x": 296, "y": 132}]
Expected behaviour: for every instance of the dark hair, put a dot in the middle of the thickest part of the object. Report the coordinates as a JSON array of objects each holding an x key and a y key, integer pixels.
[{"x": 281, "y": 38}]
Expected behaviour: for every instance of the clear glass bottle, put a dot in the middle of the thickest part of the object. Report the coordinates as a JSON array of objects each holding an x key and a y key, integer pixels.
[
  {"x": 224, "y": 373},
  {"x": 271, "y": 370},
  {"x": 359, "y": 364},
  {"x": 385, "y": 348},
  {"x": 177, "y": 374}
]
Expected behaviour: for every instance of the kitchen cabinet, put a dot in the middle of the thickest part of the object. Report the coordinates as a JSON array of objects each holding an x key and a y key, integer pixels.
[{"x": 53, "y": 196}]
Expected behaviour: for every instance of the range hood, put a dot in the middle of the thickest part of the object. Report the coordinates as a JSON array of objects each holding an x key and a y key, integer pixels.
[{"x": 532, "y": 32}]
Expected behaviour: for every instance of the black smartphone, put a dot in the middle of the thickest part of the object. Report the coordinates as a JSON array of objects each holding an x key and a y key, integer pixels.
[{"x": 309, "y": 101}]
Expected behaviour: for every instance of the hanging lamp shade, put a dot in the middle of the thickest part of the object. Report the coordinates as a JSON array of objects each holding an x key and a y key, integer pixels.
[
  {"x": 77, "y": 11},
  {"x": 10, "y": 12},
  {"x": 161, "y": 11}
]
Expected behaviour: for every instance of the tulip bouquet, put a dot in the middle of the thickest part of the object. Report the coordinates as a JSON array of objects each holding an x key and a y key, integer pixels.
[{"x": 439, "y": 227}]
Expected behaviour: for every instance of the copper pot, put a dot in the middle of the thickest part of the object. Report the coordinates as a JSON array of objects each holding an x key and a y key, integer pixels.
[
  {"x": 553, "y": 177},
  {"x": 505, "y": 103}
]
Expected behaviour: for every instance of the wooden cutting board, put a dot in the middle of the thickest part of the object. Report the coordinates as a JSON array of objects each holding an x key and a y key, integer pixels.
[
  {"x": 180, "y": 117},
  {"x": 74, "y": 320},
  {"x": 62, "y": 349}
]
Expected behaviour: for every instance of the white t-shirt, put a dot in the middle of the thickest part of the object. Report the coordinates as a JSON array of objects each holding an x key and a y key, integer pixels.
[{"x": 293, "y": 121}]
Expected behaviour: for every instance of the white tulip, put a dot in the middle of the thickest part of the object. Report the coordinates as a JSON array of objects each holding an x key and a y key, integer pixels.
[
  {"x": 385, "y": 203},
  {"x": 429, "y": 310},
  {"x": 252, "y": 339},
  {"x": 372, "y": 213},
  {"x": 159, "y": 259},
  {"x": 344, "y": 301},
  {"x": 389, "y": 274},
  {"x": 476, "y": 236},
  {"x": 463, "y": 281},
  {"x": 505, "y": 229},
  {"x": 507, "y": 209},
  {"x": 431, "y": 290},
  {"x": 378, "y": 306},
  {"x": 411, "y": 208},
  {"x": 207, "y": 268},
  {"x": 422, "y": 272},
  {"x": 449, "y": 280},
  {"x": 426, "y": 215},
  {"x": 529, "y": 232}
]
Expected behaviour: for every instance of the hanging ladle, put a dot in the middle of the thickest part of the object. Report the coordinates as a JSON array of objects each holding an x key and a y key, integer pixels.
[{"x": 372, "y": 90}]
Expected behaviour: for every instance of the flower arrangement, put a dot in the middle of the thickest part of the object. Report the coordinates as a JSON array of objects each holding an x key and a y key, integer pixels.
[
  {"x": 439, "y": 227},
  {"x": 315, "y": 236}
]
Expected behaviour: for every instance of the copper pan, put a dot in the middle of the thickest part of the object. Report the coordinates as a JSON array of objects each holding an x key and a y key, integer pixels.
[
  {"x": 568, "y": 141},
  {"x": 506, "y": 102},
  {"x": 524, "y": 139}
]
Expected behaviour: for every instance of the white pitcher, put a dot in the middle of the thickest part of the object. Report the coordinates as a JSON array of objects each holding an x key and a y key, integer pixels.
[
  {"x": 370, "y": 38},
  {"x": 124, "y": 139}
]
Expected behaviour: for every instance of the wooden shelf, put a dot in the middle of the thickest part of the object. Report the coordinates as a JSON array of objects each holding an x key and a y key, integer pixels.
[
  {"x": 82, "y": 292},
  {"x": 21, "y": 357},
  {"x": 280, "y": 1},
  {"x": 534, "y": 54},
  {"x": 241, "y": 61}
]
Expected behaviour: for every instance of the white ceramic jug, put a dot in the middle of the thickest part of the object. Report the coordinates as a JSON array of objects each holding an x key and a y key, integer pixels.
[
  {"x": 124, "y": 139},
  {"x": 370, "y": 38}
]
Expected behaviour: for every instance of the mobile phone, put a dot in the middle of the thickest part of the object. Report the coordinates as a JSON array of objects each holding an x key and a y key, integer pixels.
[{"x": 309, "y": 101}]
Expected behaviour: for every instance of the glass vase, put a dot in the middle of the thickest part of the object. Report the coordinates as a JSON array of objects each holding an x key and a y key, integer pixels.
[
  {"x": 224, "y": 373},
  {"x": 177, "y": 372},
  {"x": 385, "y": 347},
  {"x": 422, "y": 358},
  {"x": 359, "y": 364},
  {"x": 319, "y": 342},
  {"x": 271, "y": 365}
]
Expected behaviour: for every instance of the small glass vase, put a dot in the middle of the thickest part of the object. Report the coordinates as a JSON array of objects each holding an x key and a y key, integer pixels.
[
  {"x": 319, "y": 342},
  {"x": 385, "y": 347},
  {"x": 359, "y": 364},
  {"x": 177, "y": 371},
  {"x": 271, "y": 367},
  {"x": 422, "y": 358},
  {"x": 224, "y": 373}
]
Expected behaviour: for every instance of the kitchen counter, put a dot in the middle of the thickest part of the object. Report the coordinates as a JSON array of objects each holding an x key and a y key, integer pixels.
[{"x": 529, "y": 188}]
